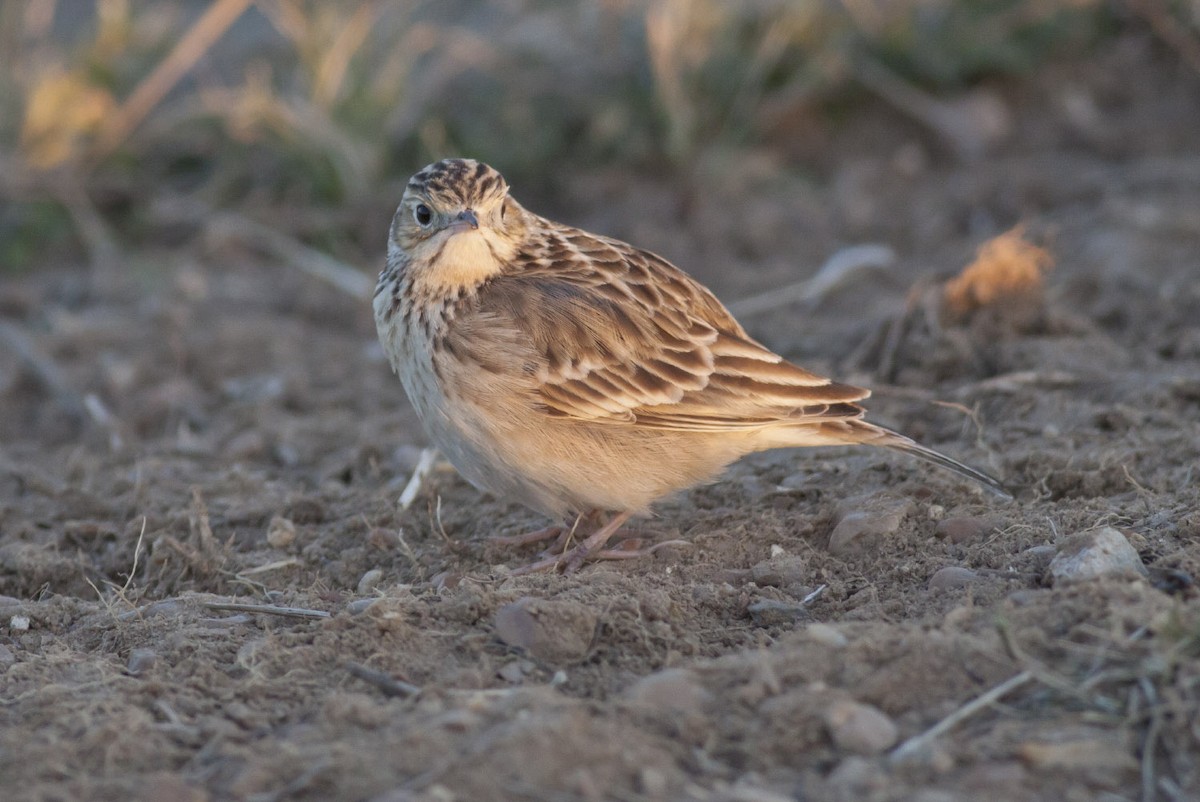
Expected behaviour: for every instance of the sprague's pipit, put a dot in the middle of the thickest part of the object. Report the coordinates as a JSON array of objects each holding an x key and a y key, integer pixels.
[{"x": 575, "y": 373}]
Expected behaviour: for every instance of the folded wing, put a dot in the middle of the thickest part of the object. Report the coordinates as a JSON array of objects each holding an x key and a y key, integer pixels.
[{"x": 621, "y": 335}]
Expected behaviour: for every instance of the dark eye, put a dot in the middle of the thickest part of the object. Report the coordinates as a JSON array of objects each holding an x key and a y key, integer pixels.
[
  {"x": 422, "y": 215},
  {"x": 504, "y": 210}
]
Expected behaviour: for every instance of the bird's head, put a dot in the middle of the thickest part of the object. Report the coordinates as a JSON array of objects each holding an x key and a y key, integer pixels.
[{"x": 456, "y": 216}]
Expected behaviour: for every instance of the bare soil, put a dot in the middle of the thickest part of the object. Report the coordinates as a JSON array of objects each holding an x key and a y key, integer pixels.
[{"x": 258, "y": 443}]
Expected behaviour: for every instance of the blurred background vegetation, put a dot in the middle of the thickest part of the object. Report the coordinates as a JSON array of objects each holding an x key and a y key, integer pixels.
[{"x": 127, "y": 124}]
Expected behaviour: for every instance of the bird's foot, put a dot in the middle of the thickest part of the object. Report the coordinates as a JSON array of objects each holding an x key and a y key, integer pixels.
[
  {"x": 594, "y": 547},
  {"x": 527, "y": 538}
]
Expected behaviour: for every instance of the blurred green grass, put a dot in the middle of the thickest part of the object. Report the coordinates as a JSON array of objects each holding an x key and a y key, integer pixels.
[{"x": 121, "y": 121}]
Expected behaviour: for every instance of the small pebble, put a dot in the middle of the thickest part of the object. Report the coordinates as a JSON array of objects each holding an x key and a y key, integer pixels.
[
  {"x": 511, "y": 672},
  {"x": 1040, "y": 553},
  {"x": 864, "y": 522},
  {"x": 770, "y": 612},
  {"x": 952, "y": 576},
  {"x": 7, "y": 657},
  {"x": 963, "y": 529},
  {"x": 167, "y": 608},
  {"x": 140, "y": 661},
  {"x": 281, "y": 532},
  {"x": 359, "y": 606},
  {"x": 860, "y": 728},
  {"x": 369, "y": 581},
  {"x": 1098, "y": 553},
  {"x": 1024, "y": 597},
  {"x": 779, "y": 572},
  {"x": 19, "y": 623}
]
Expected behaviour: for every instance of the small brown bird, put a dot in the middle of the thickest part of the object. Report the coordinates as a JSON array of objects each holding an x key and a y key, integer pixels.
[{"x": 576, "y": 373}]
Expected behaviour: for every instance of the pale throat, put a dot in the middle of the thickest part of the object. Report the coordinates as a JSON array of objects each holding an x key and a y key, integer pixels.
[{"x": 467, "y": 258}]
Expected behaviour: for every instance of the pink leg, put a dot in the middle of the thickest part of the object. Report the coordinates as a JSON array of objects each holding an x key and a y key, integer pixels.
[
  {"x": 563, "y": 533},
  {"x": 529, "y": 537},
  {"x": 571, "y": 560}
]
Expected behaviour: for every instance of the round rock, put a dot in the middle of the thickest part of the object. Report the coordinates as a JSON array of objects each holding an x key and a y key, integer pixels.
[
  {"x": 860, "y": 728},
  {"x": 1098, "y": 553},
  {"x": 952, "y": 576}
]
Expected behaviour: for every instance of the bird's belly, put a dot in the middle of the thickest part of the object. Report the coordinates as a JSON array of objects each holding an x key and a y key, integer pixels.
[
  {"x": 501, "y": 442},
  {"x": 478, "y": 429}
]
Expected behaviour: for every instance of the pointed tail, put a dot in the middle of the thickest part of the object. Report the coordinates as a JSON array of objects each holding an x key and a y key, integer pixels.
[{"x": 859, "y": 431}]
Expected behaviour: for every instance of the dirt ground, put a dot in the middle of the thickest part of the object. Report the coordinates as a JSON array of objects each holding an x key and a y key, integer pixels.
[{"x": 258, "y": 443}]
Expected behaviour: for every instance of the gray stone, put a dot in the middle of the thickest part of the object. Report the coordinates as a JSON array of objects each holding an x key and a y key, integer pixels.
[
  {"x": 140, "y": 661},
  {"x": 864, "y": 521},
  {"x": 1098, "y": 553},
  {"x": 952, "y": 576}
]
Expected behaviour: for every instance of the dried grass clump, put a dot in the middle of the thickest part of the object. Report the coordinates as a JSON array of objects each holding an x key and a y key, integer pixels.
[{"x": 1007, "y": 269}]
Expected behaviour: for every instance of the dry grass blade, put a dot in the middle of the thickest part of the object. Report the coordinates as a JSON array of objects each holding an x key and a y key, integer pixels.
[
  {"x": 207, "y": 30},
  {"x": 965, "y": 135},
  {"x": 917, "y": 742},
  {"x": 47, "y": 372},
  {"x": 1162, "y": 21},
  {"x": 267, "y": 609},
  {"x": 348, "y": 279}
]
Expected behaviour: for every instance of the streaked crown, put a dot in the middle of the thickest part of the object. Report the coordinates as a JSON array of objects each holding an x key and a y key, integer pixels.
[{"x": 458, "y": 181}]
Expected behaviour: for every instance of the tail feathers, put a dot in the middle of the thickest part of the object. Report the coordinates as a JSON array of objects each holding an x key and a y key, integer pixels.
[{"x": 870, "y": 434}]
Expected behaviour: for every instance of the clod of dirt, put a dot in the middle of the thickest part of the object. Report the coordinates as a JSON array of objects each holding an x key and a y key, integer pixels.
[
  {"x": 963, "y": 528},
  {"x": 952, "y": 576},
  {"x": 771, "y": 612},
  {"x": 860, "y": 728},
  {"x": 863, "y": 520},
  {"x": 1008, "y": 270},
  {"x": 552, "y": 630},
  {"x": 780, "y": 572},
  {"x": 671, "y": 689},
  {"x": 825, "y": 634},
  {"x": 1098, "y": 553}
]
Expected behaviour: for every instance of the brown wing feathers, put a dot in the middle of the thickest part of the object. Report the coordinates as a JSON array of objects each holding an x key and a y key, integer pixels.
[{"x": 654, "y": 347}]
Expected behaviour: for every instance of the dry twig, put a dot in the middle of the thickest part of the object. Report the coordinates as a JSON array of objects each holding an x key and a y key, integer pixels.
[
  {"x": 837, "y": 270},
  {"x": 389, "y": 685},
  {"x": 918, "y": 742}
]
